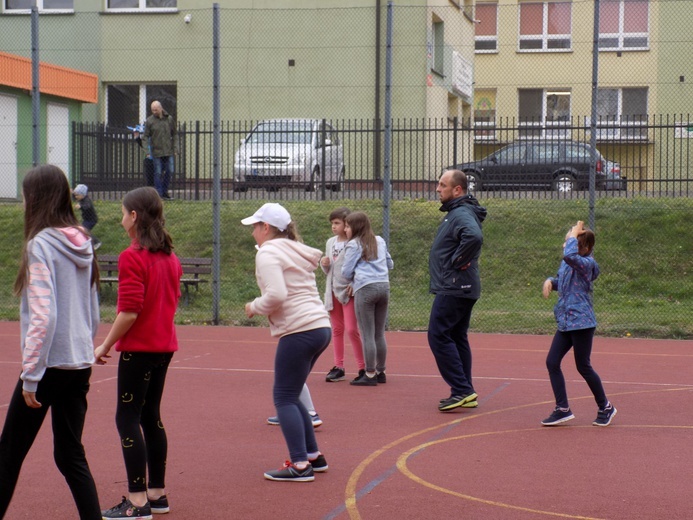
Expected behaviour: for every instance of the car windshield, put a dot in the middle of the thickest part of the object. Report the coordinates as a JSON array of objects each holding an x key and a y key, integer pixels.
[{"x": 289, "y": 132}]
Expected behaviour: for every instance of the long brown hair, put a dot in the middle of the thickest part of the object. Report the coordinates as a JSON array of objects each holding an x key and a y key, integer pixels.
[
  {"x": 150, "y": 229},
  {"x": 362, "y": 231},
  {"x": 47, "y": 204}
]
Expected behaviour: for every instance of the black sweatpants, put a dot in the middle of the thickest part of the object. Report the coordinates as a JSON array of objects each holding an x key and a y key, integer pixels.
[
  {"x": 65, "y": 393},
  {"x": 141, "y": 379}
]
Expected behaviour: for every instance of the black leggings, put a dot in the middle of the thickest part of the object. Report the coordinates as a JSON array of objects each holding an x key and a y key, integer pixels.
[
  {"x": 65, "y": 392},
  {"x": 141, "y": 379},
  {"x": 581, "y": 343}
]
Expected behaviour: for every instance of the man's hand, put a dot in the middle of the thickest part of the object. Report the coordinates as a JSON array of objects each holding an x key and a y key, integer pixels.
[{"x": 30, "y": 399}]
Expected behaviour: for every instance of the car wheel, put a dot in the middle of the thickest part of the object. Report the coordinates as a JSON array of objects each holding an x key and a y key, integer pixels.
[
  {"x": 564, "y": 183},
  {"x": 473, "y": 182},
  {"x": 337, "y": 186},
  {"x": 314, "y": 184},
  {"x": 239, "y": 188}
]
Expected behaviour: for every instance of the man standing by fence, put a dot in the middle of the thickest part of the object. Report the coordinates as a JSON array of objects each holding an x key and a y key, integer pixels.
[
  {"x": 454, "y": 270},
  {"x": 160, "y": 139}
]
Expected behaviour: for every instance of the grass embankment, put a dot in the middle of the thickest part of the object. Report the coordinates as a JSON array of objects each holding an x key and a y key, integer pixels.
[{"x": 644, "y": 248}]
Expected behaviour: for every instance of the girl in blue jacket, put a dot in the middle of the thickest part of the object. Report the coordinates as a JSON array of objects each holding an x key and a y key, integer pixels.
[{"x": 576, "y": 324}]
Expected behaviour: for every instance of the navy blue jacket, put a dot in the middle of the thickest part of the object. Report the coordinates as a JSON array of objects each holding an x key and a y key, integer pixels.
[{"x": 453, "y": 261}]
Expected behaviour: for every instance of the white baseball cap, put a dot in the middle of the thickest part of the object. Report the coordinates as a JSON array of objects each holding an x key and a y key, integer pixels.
[{"x": 271, "y": 213}]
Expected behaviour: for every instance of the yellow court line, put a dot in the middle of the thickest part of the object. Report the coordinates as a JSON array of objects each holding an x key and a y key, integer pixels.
[
  {"x": 402, "y": 466},
  {"x": 351, "y": 487}
]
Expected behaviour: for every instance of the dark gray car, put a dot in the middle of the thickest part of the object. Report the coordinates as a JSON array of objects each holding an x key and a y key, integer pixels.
[{"x": 563, "y": 166}]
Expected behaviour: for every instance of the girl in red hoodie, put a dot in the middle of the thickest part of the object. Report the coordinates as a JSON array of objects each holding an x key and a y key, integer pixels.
[{"x": 144, "y": 333}]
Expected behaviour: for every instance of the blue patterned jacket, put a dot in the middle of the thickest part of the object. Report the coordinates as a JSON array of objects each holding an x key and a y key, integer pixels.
[{"x": 574, "y": 310}]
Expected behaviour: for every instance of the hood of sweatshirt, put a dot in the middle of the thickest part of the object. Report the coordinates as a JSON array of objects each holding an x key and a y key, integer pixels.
[
  {"x": 469, "y": 201},
  {"x": 302, "y": 256},
  {"x": 71, "y": 242}
]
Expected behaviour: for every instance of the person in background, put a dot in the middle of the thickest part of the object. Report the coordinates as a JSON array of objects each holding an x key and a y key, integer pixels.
[
  {"x": 307, "y": 401},
  {"x": 86, "y": 207},
  {"x": 144, "y": 333},
  {"x": 285, "y": 272},
  {"x": 338, "y": 300},
  {"x": 453, "y": 265},
  {"x": 576, "y": 325},
  {"x": 148, "y": 164},
  {"x": 366, "y": 264},
  {"x": 161, "y": 141},
  {"x": 59, "y": 316}
]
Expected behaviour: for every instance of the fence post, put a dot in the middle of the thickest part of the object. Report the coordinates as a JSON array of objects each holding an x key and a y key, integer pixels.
[
  {"x": 593, "y": 123},
  {"x": 35, "y": 90},
  {"x": 323, "y": 139},
  {"x": 216, "y": 174},
  {"x": 388, "y": 128},
  {"x": 197, "y": 160}
]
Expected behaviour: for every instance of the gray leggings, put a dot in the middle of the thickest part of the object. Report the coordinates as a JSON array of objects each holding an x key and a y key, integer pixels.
[{"x": 370, "y": 303}]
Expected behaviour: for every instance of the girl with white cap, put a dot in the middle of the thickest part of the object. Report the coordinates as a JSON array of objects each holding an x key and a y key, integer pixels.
[{"x": 285, "y": 272}]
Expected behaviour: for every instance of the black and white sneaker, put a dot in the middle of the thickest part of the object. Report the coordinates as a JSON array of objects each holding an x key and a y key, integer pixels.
[
  {"x": 160, "y": 505},
  {"x": 290, "y": 473},
  {"x": 558, "y": 416},
  {"x": 126, "y": 509},
  {"x": 319, "y": 464},
  {"x": 604, "y": 416},
  {"x": 334, "y": 375}
]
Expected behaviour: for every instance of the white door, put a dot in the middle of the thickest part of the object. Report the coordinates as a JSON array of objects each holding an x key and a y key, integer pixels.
[
  {"x": 59, "y": 137},
  {"x": 8, "y": 147}
]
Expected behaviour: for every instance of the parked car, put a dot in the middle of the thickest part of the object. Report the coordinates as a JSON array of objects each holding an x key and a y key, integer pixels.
[
  {"x": 290, "y": 153},
  {"x": 563, "y": 166}
]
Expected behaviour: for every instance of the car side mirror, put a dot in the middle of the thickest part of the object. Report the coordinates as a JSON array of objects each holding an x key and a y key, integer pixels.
[{"x": 494, "y": 159}]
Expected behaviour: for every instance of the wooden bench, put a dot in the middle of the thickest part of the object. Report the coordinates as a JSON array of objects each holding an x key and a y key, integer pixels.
[{"x": 192, "y": 269}]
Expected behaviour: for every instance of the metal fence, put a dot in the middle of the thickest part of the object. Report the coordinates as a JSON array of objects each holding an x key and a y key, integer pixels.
[{"x": 257, "y": 158}]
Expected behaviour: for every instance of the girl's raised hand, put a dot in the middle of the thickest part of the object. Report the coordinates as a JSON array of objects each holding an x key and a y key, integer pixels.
[{"x": 577, "y": 229}]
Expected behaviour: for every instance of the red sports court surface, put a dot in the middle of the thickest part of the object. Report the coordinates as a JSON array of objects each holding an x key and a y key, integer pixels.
[{"x": 391, "y": 453}]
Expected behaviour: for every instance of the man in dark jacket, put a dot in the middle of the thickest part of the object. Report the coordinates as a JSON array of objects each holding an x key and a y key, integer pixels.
[
  {"x": 160, "y": 140},
  {"x": 454, "y": 269}
]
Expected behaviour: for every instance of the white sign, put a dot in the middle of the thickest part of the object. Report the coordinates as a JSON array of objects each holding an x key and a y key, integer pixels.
[
  {"x": 684, "y": 131},
  {"x": 462, "y": 76}
]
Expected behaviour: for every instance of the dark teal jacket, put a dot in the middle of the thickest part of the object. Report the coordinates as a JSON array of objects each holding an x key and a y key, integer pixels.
[{"x": 453, "y": 261}]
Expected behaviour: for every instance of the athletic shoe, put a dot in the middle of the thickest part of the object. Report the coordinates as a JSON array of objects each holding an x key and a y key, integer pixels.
[
  {"x": 362, "y": 373},
  {"x": 364, "y": 380},
  {"x": 334, "y": 375},
  {"x": 455, "y": 401},
  {"x": 317, "y": 421},
  {"x": 290, "y": 473},
  {"x": 127, "y": 510},
  {"x": 381, "y": 378},
  {"x": 470, "y": 404},
  {"x": 319, "y": 464},
  {"x": 604, "y": 416},
  {"x": 557, "y": 417},
  {"x": 160, "y": 505}
]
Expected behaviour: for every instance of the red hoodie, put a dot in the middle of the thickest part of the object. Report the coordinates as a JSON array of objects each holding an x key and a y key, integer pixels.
[{"x": 149, "y": 285}]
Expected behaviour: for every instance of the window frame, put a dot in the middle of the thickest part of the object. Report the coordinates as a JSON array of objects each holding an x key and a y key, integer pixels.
[
  {"x": 141, "y": 9},
  {"x": 613, "y": 127},
  {"x": 541, "y": 128},
  {"x": 143, "y": 106},
  {"x": 621, "y": 35},
  {"x": 41, "y": 9},
  {"x": 438, "y": 46},
  {"x": 487, "y": 38},
  {"x": 544, "y": 37}
]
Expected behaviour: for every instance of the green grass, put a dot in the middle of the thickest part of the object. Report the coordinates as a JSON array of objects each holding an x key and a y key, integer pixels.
[{"x": 644, "y": 249}]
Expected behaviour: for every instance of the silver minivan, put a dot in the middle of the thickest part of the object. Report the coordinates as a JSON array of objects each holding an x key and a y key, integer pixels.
[{"x": 290, "y": 153}]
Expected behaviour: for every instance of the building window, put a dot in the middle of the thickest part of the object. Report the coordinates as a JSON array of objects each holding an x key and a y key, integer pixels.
[
  {"x": 545, "y": 26},
  {"x": 438, "y": 47},
  {"x": 485, "y": 115},
  {"x": 141, "y": 5},
  {"x": 486, "y": 28},
  {"x": 42, "y": 5},
  {"x": 544, "y": 113},
  {"x": 624, "y": 25},
  {"x": 622, "y": 113},
  {"x": 128, "y": 104}
]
